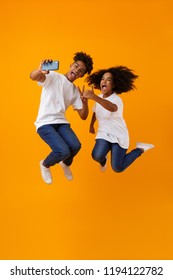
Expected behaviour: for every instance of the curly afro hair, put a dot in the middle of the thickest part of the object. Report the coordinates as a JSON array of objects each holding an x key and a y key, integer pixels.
[
  {"x": 123, "y": 78},
  {"x": 87, "y": 60}
]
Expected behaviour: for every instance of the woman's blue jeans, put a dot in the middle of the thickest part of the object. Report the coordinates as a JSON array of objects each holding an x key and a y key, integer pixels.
[
  {"x": 119, "y": 159},
  {"x": 62, "y": 141}
]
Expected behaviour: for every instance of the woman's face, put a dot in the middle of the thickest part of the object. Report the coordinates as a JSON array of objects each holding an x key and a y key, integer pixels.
[{"x": 107, "y": 84}]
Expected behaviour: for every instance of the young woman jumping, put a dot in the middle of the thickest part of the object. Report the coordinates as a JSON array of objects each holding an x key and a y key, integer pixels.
[{"x": 112, "y": 135}]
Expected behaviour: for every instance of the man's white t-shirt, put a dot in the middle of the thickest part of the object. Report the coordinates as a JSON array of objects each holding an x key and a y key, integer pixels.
[
  {"x": 111, "y": 125},
  {"x": 58, "y": 93}
]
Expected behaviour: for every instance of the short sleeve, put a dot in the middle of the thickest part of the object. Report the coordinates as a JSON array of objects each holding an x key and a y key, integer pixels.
[{"x": 77, "y": 102}]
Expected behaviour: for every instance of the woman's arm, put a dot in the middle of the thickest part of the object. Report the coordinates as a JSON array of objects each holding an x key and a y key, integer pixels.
[
  {"x": 93, "y": 119},
  {"x": 89, "y": 94}
]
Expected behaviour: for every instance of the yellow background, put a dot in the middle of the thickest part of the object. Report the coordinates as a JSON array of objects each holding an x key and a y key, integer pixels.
[{"x": 97, "y": 215}]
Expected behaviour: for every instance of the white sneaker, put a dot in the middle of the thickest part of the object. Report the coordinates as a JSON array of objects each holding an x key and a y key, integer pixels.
[
  {"x": 103, "y": 168},
  {"x": 67, "y": 171},
  {"x": 45, "y": 173},
  {"x": 145, "y": 147}
]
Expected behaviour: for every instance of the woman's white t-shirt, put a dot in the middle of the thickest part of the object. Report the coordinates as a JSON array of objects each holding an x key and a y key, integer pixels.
[
  {"x": 111, "y": 125},
  {"x": 57, "y": 95}
]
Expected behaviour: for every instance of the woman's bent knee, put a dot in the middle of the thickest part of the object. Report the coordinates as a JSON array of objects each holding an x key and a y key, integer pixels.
[
  {"x": 117, "y": 169},
  {"x": 96, "y": 157}
]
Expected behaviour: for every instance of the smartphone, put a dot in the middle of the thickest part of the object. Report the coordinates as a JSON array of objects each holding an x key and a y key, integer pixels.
[{"x": 54, "y": 65}]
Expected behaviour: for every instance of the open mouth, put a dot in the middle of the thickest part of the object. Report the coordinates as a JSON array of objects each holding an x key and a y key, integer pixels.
[{"x": 73, "y": 74}]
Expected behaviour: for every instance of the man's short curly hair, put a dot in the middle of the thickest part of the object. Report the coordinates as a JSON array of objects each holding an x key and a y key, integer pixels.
[
  {"x": 123, "y": 78},
  {"x": 87, "y": 60}
]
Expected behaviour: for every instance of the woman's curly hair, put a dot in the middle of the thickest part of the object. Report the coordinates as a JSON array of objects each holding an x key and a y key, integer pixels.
[
  {"x": 87, "y": 60},
  {"x": 123, "y": 78}
]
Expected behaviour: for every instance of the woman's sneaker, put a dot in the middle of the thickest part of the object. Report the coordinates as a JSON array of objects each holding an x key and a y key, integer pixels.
[
  {"x": 67, "y": 171},
  {"x": 45, "y": 173},
  {"x": 144, "y": 146}
]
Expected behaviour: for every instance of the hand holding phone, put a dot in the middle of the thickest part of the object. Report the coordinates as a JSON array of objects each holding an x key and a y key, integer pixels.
[{"x": 49, "y": 66}]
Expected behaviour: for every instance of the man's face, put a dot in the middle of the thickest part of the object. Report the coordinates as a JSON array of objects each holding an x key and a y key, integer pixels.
[{"x": 77, "y": 70}]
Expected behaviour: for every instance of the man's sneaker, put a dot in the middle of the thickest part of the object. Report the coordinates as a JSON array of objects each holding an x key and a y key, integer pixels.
[
  {"x": 103, "y": 168},
  {"x": 143, "y": 146},
  {"x": 67, "y": 171},
  {"x": 45, "y": 173}
]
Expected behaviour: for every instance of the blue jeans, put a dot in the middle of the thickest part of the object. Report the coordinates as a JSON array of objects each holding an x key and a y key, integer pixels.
[
  {"x": 119, "y": 159},
  {"x": 63, "y": 142}
]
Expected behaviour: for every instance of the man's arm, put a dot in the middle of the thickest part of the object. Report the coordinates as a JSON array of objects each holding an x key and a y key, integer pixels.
[
  {"x": 38, "y": 74},
  {"x": 83, "y": 113},
  {"x": 93, "y": 119}
]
